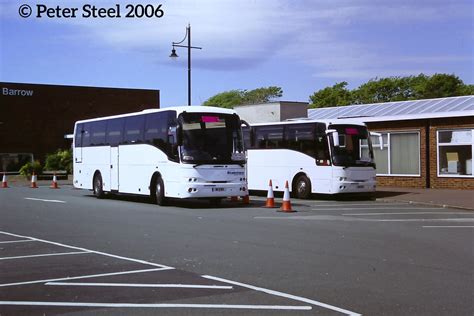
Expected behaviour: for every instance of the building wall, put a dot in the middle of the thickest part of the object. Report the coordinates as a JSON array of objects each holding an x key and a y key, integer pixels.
[
  {"x": 400, "y": 126},
  {"x": 34, "y": 118},
  {"x": 447, "y": 182},
  {"x": 272, "y": 112},
  {"x": 428, "y": 154}
]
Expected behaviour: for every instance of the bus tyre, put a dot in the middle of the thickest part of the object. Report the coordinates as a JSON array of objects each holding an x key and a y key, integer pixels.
[
  {"x": 160, "y": 198},
  {"x": 98, "y": 189},
  {"x": 302, "y": 187}
]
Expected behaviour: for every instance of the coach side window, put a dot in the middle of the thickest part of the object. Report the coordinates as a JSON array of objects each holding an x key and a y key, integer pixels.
[
  {"x": 156, "y": 129},
  {"x": 269, "y": 137},
  {"x": 246, "y": 132},
  {"x": 78, "y": 135},
  {"x": 115, "y": 131},
  {"x": 97, "y": 133},
  {"x": 301, "y": 138},
  {"x": 134, "y": 129}
]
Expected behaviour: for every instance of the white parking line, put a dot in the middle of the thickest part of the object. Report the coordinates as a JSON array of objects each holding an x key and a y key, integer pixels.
[
  {"x": 425, "y": 220},
  {"x": 45, "y": 255},
  {"x": 185, "y": 286},
  {"x": 377, "y": 208},
  {"x": 364, "y": 204},
  {"x": 281, "y": 294},
  {"x": 161, "y": 268},
  {"x": 448, "y": 226},
  {"x": 88, "y": 250},
  {"x": 43, "y": 200},
  {"x": 86, "y": 276},
  {"x": 409, "y": 213},
  {"x": 14, "y": 241},
  {"x": 123, "y": 305}
]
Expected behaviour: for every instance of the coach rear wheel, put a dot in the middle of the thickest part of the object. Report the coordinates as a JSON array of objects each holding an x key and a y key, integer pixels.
[
  {"x": 97, "y": 186},
  {"x": 302, "y": 187}
]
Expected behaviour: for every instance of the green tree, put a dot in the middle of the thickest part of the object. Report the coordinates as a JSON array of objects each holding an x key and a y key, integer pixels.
[
  {"x": 229, "y": 99},
  {"x": 337, "y": 95},
  {"x": 226, "y": 99},
  {"x": 392, "y": 89},
  {"x": 442, "y": 85},
  {"x": 262, "y": 95}
]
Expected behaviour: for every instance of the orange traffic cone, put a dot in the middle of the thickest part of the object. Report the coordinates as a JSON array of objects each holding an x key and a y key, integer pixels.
[
  {"x": 54, "y": 185},
  {"x": 4, "y": 181},
  {"x": 33, "y": 181},
  {"x": 270, "y": 203},
  {"x": 286, "y": 206}
]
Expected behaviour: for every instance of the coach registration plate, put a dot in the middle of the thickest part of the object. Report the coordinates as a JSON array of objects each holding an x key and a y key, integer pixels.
[{"x": 218, "y": 189}]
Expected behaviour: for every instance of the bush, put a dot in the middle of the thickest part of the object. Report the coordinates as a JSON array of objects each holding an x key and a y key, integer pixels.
[
  {"x": 31, "y": 166},
  {"x": 60, "y": 160}
]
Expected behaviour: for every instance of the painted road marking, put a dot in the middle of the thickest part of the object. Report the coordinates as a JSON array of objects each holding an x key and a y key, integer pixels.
[
  {"x": 14, "y": 241},
  {"x": 88, "y": 250},
  {"x": 281, "y": 294},
  {"x": 358, "y": 219},
  {"x": 448, "y": 226},
  {"x": 377, "y": 208},
  {"x": 162, "y": 268},
  {"x": 410, "y": 213},
  {"x": 364, "y": 204},
  {"x": 186, "y": 286},
  {"x": 86, "y": 276},
  {"x": 43, "y": 200},
  {"x": 46, "y": 255},
  {"x": 122, "y": 305}
]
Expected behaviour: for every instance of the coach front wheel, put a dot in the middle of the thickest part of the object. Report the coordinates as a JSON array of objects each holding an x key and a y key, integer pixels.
[
  {"x": 302, "y": 187},
  {"x": 97, "y": 186}
]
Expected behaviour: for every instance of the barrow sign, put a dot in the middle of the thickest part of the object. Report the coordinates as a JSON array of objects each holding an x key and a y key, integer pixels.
[{"x": 17, "y": 92}]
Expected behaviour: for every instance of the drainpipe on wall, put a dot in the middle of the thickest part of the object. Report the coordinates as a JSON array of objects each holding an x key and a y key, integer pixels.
[{"x": 427, "y": 153}]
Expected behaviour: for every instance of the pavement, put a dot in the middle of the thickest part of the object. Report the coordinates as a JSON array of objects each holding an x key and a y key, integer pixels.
[
  {"x": 463, "y": 199},
  {"x": 449, "y": 198}
]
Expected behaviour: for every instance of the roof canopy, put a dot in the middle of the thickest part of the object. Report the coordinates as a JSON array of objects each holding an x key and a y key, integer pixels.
[{"x": 403, "y": 110}]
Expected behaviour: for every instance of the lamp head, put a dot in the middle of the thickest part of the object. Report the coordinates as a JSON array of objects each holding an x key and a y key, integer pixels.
[{"x": 173, "y": 53}]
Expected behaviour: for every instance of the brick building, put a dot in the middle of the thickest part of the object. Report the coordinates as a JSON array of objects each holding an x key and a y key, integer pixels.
[
  {"x": 34, "y": 118},
  {"x": 426, "y": 143}
]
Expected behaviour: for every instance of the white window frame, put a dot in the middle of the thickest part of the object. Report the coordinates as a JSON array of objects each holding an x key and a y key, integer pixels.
[
  {"x": 387, "y": 146},
  {"x": 441, "y": 175}
]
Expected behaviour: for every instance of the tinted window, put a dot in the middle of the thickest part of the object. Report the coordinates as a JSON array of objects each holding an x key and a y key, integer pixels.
[
  {"x": 98, "y": 133},
  {"x": 86, "y": 135},
  {"x": 301, "y": 138},
  {"x": 115, "y": 131},
  {"x": 78, "y": 135},
  {"x": 269, "y": 137},
  {"x": 156, "y": 129},
  {"x": 134, "y": 129},
  {"x": 247, "y": 137}
]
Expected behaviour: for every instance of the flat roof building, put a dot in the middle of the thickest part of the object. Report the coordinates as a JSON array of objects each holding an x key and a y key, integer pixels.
[
  {"x": 426, "y": 143},
  {"x": 35, "y": 117}
]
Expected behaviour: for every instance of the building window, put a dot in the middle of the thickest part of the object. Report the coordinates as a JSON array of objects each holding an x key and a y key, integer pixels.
[
  {"x": 455, "y": 152},
  {"x": 400, "y": 155}
]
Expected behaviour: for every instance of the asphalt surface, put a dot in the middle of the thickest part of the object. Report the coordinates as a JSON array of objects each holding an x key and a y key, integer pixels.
[{"x": 65, "y": 252}]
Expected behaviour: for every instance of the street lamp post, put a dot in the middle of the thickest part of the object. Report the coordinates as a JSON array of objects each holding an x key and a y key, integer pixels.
[{"x": 174, "y": 56}]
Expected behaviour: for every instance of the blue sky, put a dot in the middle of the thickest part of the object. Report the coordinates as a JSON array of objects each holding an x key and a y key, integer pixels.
[{"x": 301, "y": 46}]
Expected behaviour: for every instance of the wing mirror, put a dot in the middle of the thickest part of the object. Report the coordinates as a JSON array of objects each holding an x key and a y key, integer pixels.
[
  {"x": 335, "y": 136},
  {"x": 380, "y": 138}
]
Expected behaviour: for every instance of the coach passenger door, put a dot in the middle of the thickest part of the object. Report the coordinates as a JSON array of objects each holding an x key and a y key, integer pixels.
[
  {"x": 114, "y": 168},
  {"x": 114, "y": 139}
]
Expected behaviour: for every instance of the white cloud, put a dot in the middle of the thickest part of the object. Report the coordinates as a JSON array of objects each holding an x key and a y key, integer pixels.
[{"x": 314, "y": 33}]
